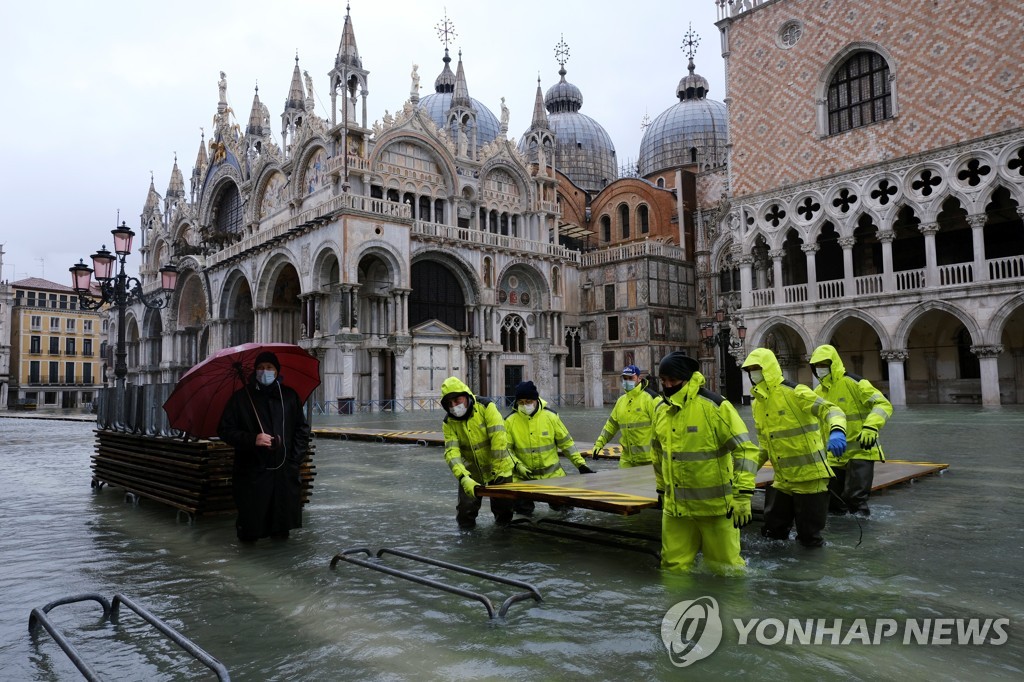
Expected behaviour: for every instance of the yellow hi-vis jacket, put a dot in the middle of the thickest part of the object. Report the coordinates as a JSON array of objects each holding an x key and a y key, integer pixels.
[
  {"x": 863, "y": 404},
  {"x": 702, "y": 452},
  {"x": 475, "y": 445},
  {"x": 539, "y": 439},
  {"x": 633, "y": 414},
  {"x": 789, "y": 419}
]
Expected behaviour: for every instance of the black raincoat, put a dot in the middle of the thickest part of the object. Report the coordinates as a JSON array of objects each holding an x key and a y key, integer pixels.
[{"x": 265, "y": 483}]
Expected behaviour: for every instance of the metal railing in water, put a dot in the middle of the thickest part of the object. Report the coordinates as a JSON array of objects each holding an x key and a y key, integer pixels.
[
  {"x": 530, "y": 593},
  {"x": 40, "y": 616}
]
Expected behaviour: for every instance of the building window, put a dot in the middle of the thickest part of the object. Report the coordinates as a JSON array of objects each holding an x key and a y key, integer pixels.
[
  {"x": 54, "y": 376},
  {"x": 87, "y": 326},
  {"x": 513, "y": 334},
  {"x": 53, "y": 301},
  {"x": 69, "y": 372},
  {"x": 229, "y": 211},
  {"x": 63, "y": 302},
  {"x": 54, "y": 345},
  {"x": 609, "y": 297},
  {"x": 606, "y": 228},
  {"x": 106, "y": 325},
  {"x": 37, "y": 322},
  {"x": 69, "y": 346},
  {"x": 35, "y": 345},
  {"x": 643, "y": 217},
  {"x": 87, "y": 377},
  {"x": 71, "y": 325},
  {"x": 613, "y": 327},
  {"x": 608, "y": 361},
  {"x": 55, "y": 324},
  {"x": 624, "y": 220},
  {"x": 33, "y": 372},
  {"x": 859, "y": 93},
  {"x": 574, "y": 358},
  {"x": 49, "y": 397},
  {"x": 87, "y": 347}
]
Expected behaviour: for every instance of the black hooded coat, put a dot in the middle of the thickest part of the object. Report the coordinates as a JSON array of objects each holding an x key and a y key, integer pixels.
[{"x": 265, "y": 481}]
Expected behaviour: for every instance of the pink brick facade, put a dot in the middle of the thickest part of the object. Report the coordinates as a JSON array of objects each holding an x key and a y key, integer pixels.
[{"x": 956, "y": 68}]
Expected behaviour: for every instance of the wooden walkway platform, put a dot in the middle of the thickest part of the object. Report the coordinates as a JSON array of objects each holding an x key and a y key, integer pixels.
[{"x": 628, "y": 491}]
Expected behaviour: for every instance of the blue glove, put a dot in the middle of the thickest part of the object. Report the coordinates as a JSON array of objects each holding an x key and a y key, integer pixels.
[
  {"x": 837, "y": 443},
  {"x": 868, "y": 437}
]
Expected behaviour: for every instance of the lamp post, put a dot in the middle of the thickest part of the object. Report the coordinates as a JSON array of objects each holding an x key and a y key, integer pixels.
[
  {"x": 118, "y": 290},
  {"x": 719, "y": 333}
]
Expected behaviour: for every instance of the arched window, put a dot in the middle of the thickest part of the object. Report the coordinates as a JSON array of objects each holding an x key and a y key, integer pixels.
[
  {"x": 574, "y": 358},
  {"x": 556, "y": 281},
  {"x": 661, "y": 182},
  {"x": 859, "y": 92},
  {"x": 229, "y": 211},
  {"x": 624, "y": 220},
  {"x": 606, "y": 228},
  {"x": 643, "y": 218},
  {"x": 513, "y": 334}
]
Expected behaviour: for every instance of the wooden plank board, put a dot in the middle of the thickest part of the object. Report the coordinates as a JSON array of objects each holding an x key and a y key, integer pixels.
[{"x": 628, "y": 491}]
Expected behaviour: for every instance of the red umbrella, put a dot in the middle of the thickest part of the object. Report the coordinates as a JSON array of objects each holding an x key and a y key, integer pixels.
[{"x": 197, "y": 402}]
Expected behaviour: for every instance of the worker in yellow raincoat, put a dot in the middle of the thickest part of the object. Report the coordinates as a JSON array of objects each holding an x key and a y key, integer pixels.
[
  {"x": 789, "y": 418},
  {"x": 867, "y": 411},
  {"x": 633, "y": 415},
  {"x": 476, "y": 450},
  {"x": 704, "y": 469}
]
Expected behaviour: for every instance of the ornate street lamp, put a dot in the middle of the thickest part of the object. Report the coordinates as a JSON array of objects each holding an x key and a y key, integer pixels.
[
  {"x": 120, "y": 291},
  {"x": 719, "y": 333}
]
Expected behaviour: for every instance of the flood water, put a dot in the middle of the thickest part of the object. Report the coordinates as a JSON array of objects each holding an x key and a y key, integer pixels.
[{"x": 947, "y": 546}]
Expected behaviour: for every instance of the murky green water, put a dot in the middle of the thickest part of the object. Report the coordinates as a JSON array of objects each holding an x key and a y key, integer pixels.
[{"x": 948, "y": 546}]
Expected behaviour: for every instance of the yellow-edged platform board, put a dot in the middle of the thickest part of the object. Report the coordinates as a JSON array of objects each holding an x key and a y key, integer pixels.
[{"x": 628, "y": 491}]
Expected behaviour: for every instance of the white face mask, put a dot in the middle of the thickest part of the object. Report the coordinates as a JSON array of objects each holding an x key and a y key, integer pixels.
[
  {"x": 822, "y": 372},
  {"x": 628, "y": 385},
  {"x": 459, "y": 411},
  {"x": 528, "y": 409},
  {"x": 756, "y": 376},
  {"x": 266, "y": 376}
]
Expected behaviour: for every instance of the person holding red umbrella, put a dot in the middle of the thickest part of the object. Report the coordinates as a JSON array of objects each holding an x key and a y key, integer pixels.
[{"x": 265, "y": 424}]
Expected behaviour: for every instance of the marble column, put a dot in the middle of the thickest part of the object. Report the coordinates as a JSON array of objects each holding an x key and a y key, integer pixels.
[
  {"x": 776, "y": 257},
  {"x": 988, "y": 359},
  {"x": 848, "y": 287},
  {"x": 886, "y": 238},
  {"x": 812, "y": 271},
  {"x": 896, "y": 360},
  {"x": 977, "y": 222},
  {"x": 931, "y": 277}
]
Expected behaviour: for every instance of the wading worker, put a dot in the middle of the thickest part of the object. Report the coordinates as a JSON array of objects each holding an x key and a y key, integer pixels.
[
  {"x": 476, "y": 450},
  {"x": 867, "y": 411},
  {"x": 704, "y": 468},
  {"x": 265, "y": 424},
  {"x": 537, "y": 437},
  {"x": 789, "y": 418},
  {"x": 633, "y": 414}
]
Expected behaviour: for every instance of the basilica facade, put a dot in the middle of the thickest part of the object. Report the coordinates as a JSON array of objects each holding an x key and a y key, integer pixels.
[{"x": 425, "y": 244}]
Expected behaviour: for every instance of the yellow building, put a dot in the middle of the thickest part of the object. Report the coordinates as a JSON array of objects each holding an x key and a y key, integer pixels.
[{"x": 57, "y": 349}]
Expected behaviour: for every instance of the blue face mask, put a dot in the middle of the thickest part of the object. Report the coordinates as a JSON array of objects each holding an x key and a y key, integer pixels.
[
  {"x": 266, "y": 376},
  {"x": 628, "y": 385}
]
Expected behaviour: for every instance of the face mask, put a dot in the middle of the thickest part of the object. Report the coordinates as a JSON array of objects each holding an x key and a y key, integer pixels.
[
  {"x": 459, "y": 411},
  {"x": 266, "y": 376},
  {"x": 669, "y": 392},
  {"x": 822, "y": 372},
  {"x": 628, "y": 385},
  {"x": 528, "y": 409},
  {"x": 756, "y": 376}
]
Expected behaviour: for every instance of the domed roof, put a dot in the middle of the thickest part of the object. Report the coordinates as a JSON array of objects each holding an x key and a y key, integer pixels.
[
  {"x": 583, "y": 149},
  {"x": 437, "y": 104},
  {"x": 694, "y": 130}
]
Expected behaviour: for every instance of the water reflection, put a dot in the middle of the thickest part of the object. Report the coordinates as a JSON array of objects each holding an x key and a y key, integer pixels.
[{"x": 947, "y": 546}]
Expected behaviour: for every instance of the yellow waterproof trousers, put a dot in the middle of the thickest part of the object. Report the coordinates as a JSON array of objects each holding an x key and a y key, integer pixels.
[{"x": 683, "y": 537}]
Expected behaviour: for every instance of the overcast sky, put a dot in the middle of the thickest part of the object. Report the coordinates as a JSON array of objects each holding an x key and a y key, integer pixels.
[{"x": 99, "y": 94}]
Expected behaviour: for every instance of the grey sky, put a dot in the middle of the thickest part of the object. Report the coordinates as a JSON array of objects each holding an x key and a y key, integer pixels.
[{"x": 98, "y": 94}]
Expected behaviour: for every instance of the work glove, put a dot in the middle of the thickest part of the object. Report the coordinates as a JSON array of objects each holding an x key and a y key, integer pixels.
[
  {"x": 584, "y": 469},
  {"x": 837, "y": 443},
  {"x": 468, "y": 485},
  {"x": 501, "y": 479},
  {"x": 740, "y": 510},
  {"x": 868, "y": 437},
  {"x": 522, "y": 472}
]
